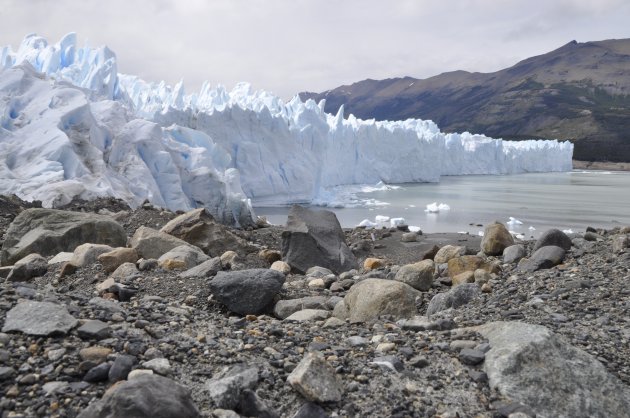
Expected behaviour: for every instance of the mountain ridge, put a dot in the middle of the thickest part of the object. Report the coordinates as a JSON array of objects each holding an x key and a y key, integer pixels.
[{"x": 578, "y": 92}]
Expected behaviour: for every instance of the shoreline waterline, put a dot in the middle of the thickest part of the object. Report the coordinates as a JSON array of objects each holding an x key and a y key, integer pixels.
[{"x": 565, "y": 200}]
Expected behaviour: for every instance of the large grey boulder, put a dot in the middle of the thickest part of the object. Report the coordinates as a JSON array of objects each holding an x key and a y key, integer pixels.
[
  {"x": 447, "y": 252},
  {"x": 371, "y": 298},
  {"x": 50, "y": 231},
  {"x": 417, "y": 275},
  {"x": 88, "y": 253},
  {"x": 33, "y": 265},
  {"x": 315, "y": 238},
  {"x": 553, "y": 237},
  {"x": 531, "y": 365},
  {"x": 199, "y": 228},
  {"x": 184, "y": 256},
  {"x": 39, "y": 318},
  {"x": 151, "y": 243},
  {"x": 454, "y": 298},
  {"x": 285, "y": 308},
  {"x": 247, "y": 291},
  {"x": 146, "y": 396},
  {"x": 496, "y": 238},
  {"x": 543, "y": 258}
]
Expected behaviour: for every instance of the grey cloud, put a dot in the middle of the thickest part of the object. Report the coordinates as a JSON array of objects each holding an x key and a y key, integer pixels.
[{"x": 292, "y": 45}]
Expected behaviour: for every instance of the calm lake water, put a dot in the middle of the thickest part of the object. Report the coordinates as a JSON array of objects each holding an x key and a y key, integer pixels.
[{"x": 572, "y": 200}]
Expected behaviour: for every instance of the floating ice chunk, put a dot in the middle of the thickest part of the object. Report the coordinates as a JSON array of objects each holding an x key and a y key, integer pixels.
[
  {"x": 520, "y": 236},
  {"x": 394, "y": 222},
  {"x": 381, "y": 218},
  {"x": 415, "y": 229},
  {"x": 567, "y": 231},
  {"x": 480, "y": 233},
  {"x": 513, "y": 222},
  {"x": 435, "y": 208},
  {"x": 367, "y": 223},
  {"x": 531, "y": 228}
]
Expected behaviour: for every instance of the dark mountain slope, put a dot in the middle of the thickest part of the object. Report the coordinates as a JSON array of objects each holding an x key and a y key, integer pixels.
[{"x": 579, "y": 92}]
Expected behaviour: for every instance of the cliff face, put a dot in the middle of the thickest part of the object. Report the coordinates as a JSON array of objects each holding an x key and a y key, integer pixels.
[{"x": 579, "y": 92}]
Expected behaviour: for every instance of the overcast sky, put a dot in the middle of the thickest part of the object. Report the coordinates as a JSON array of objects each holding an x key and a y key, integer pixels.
[{"x": 288, "y": 46}]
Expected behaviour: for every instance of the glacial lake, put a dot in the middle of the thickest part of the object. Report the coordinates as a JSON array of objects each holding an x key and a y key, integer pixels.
[{"x": 568, "y": 201}]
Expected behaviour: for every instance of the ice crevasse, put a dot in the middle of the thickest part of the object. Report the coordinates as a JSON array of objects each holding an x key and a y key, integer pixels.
[{"x": 71, "y": 125}]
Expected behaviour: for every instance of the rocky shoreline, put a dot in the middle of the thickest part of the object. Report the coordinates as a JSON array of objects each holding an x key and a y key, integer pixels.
[{"x": 117, "y": 317}]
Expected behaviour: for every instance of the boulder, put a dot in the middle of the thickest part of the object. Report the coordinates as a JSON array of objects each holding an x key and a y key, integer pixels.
[
  {"x": 409, "y": 237},
  {"x": 315, "y": 379},
  {"x": 151, "y": 243},
  {"x": 371, "y": 298},
  {"x": 496, "y": 238},
  {"x": 308, "y": 315},
  {"x": 417, "y": 275},
  {"x": 575, "y": 383},
  {"x": 111, "y": 260},
  {"x": 543, "y": 258},
  {"x": 199, "y": 228},
  {"x": 464, "y": 263},
  {"x": 281, "y": 266},
  {"x": 371, "y": 263},
  {"x": 182, "y": 257},
  {"x": 465, "y": 277},
  {"x": 39, "y": 318},
  {"x": 315, "y": 238},
  {"x": 226, "y": 389},
  {"x": 247, "y": 291},
  {"x": 447, "y": 252},
  {"x": 146, "y": 396},
  {"x": 49, "y": 231},
  {"x": 208, "y": 268},
  {"x": 285, "y": 308},
  {"x": 86, "y": 254},
  {"x": 513, "y": 253},
  {"x": 33, "y": 265},
  {"x": 553, "y": 237},
  {"x": 454, "y": 298},
  {"x": 125, "y": 272}
]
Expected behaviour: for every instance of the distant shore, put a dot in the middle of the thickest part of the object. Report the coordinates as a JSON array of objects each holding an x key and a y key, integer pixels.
[{"x": 600, "y": 165}]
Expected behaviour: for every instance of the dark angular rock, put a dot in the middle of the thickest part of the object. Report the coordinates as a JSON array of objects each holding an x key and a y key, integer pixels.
[
  {"x": 471, "y": 356},
  {"x": 454, "y": 298},
  {"x": 147, "y": 396},
  {"x": 98, "y": 373},
  {"x": 310, "y": 410},
  {"x": 121, "y": 368},
  {"x": 553, "y": 237},
  {"x": 247, "y": 291},
  {"x": 251, "y": 405},
  {"x": 226, "y": 390},
  {"x": 543, "y": 258},
  {"x": 94, "y": 329},
  {"x": 315, "y": 238},
  {"x": 33, "y": 265},
  {"x": 513, "y": 253}
]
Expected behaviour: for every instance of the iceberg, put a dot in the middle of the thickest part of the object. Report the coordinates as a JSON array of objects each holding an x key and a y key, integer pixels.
[{"x": 72, "y": 126}]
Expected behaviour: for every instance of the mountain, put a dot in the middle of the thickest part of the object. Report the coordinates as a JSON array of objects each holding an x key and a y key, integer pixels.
[
  {"x": 72, "y": 126},
  {"x": 579, "y": 92}
]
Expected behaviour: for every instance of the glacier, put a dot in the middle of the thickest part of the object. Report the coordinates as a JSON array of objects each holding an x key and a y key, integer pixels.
[{"x": 72, "y": 126}]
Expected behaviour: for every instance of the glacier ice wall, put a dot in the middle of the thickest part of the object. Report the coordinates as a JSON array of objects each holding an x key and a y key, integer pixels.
[{"x": 70, "y": 125}]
